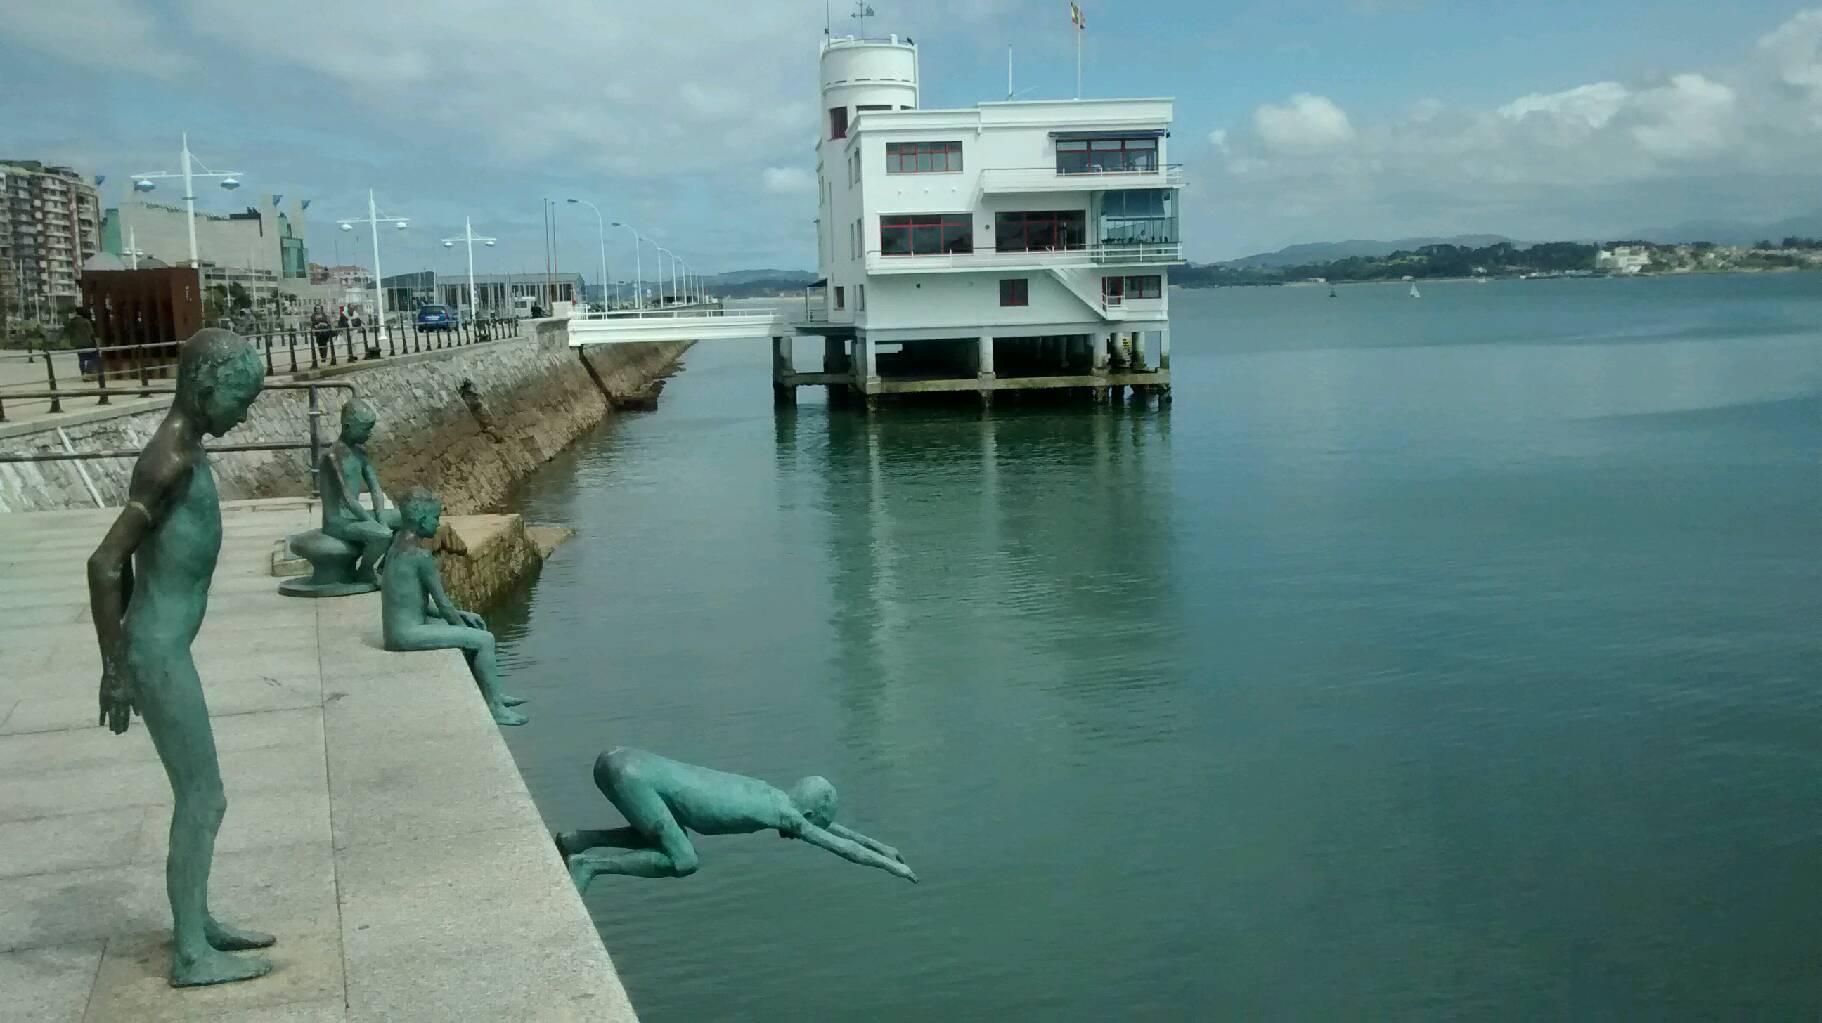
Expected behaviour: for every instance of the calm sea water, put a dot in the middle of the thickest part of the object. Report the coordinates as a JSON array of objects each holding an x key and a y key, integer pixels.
[{"x": 1427, "y": 659}]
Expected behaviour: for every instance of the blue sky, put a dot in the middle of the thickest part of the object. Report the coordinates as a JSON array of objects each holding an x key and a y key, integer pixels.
[{"x": 1297, "y": 120}]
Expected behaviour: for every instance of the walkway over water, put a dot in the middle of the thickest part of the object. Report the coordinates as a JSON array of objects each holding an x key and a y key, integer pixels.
[{"x": 376, "y": 822}]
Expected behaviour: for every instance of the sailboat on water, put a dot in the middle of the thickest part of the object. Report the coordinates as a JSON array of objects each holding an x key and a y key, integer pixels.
[{"x": 1415, "y": 293}]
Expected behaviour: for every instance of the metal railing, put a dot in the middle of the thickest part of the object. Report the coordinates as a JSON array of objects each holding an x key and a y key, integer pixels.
[
  {"x": 314, "y": 445},
  {"x": 1053, "y": 178},
  {"x": 129, "y": 370},
  {"x": 1085, "y": 255}
]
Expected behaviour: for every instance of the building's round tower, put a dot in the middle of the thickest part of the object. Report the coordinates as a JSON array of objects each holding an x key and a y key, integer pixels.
[{"x": 859, "y": 75}]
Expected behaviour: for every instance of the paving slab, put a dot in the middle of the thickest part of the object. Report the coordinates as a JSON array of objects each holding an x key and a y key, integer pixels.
[{"x": 374, "y": 814}]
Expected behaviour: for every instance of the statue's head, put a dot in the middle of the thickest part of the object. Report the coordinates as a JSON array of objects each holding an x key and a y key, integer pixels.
[
  {"x": 421, "y": 511},
  {"x": 357, "y": 421},
  {"x": 814, "y": 797},
  {"x": 219, "y": 374}
]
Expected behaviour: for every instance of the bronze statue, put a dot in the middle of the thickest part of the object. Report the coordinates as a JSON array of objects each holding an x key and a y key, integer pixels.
[
  {"x": 416, "y": 613},
  {"x": 148, "y": 592},
  {"x": 663, "y": 800},
  {"x": 344, "y": 473}
]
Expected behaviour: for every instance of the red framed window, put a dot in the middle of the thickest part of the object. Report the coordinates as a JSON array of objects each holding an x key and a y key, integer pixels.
[
  {"x": 838, "y": 122},
  {"x": 1038, "y": 230},
  {"x": 926, "y": 234},
  {"x": 1107, "y": 156},
  {"x": 1116, "y": 289},
  {"x": 1015, "y": 291},
  {"x": 923, "y": 157}
]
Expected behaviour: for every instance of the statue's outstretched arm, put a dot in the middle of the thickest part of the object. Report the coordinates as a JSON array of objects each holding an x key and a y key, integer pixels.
[
  {"x": 859, "y": 839},
  {"x": 854, "y": 852},
  {"x": 110, "y": 572}
]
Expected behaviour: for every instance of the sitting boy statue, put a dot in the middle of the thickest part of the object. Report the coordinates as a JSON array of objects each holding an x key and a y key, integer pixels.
[
  {"x": 345, "y": 472},
  {"x": 664, "y": 800},
  {"x": 416, "y": 613}
]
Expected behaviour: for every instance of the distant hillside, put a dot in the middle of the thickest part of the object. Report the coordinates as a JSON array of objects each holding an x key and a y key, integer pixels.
[
  {"x": 1734, "y": 232},
  {"x": 1328, "y": 252},
  {"x": 800, "y": 277}
]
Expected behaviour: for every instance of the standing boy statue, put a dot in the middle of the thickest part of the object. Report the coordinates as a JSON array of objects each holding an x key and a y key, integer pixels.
[
  {"x": 416, "y": 613},
  {"x": 148, "y": 591},
  {"x": 345, "y": 472}
]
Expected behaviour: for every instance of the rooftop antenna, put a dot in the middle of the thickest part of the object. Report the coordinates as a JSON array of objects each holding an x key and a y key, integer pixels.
[
  {"x": 828, "y": 19},
  {"x": 861, "y": 13},
  {"x": 1008, "y": 72}
]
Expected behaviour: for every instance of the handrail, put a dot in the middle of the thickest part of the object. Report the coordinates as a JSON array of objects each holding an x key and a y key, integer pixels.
[
  {"x": 1079, "y": 255},
  {"x": 314, "y": 444}
]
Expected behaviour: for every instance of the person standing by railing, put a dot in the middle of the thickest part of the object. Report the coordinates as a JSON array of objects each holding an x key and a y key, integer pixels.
[{"x": 322, "y": 333}]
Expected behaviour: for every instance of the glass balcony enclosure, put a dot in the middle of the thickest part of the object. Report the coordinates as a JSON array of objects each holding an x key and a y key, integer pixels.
[{"x": 1139, "y": 216}]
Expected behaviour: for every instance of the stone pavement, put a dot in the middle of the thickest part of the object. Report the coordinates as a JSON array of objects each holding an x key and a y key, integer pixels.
[{"x": 376, "y": 822}]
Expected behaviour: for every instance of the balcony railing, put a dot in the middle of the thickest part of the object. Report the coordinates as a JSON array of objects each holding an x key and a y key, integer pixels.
[
  {"x": 1036, "y": 259},
  {"x": 1050, "y": 179}
]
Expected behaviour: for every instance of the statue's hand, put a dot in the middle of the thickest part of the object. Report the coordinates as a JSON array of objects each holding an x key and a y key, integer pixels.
[
  {"x": 472, "y": 620},
  {"x": 117, "y": 697},
  {"x": 898, "y": 868}
]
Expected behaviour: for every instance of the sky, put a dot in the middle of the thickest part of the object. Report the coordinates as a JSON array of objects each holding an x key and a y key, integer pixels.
[{"x": 694, "y": 120}]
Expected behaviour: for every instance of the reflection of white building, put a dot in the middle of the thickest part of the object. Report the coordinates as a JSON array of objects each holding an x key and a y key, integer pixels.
[
  {"x": 965, "y": 249},
  {"x": 1623, "y": 259}
]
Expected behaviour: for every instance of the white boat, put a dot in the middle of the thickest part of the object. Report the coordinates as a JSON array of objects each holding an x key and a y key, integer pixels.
[{"x": 1415, "y": 293}]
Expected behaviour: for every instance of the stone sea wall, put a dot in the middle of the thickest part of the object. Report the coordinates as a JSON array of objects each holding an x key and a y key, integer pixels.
[{"x": 468, "y": 422}]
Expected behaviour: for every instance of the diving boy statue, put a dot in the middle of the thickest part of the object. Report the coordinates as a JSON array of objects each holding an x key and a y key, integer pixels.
[
  {"x": 663, "y": 800},
  {"x": 344, "y": 473},
  {"x": 417, "y": 614},
  {"x": 148, "y": 592}
]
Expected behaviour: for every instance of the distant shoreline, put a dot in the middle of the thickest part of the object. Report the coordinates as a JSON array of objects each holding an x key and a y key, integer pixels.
[{"x": 1307, "y": 283}]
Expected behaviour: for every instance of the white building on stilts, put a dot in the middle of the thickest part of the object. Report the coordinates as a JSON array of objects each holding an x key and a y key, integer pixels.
[{"x": 1007, "y": 246}]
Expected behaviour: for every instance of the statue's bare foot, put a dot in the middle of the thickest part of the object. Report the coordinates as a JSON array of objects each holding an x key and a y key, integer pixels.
[
  {"x": 502, "y": 716},
  {"x": 511, "y": 701},
  {"x": 216, "y": 967},
  {"x": 233, "y": 939},
  {"x": 566, "y": 841},
  {"x": 580, "y": 873}
]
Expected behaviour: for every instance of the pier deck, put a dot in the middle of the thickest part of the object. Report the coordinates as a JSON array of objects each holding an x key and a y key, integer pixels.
[{"x": 376, "y": 821}]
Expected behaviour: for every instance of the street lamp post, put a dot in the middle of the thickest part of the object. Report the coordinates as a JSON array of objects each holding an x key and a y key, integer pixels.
[
  {"x": 600, "y": 236},
  {"x": 230, "y": 180},
  {"x": 671, "y": 267},
  {"x": 469, "y": 237},
  {"x": 373, "y": 222},
  {"x": 638, "y": 267}
]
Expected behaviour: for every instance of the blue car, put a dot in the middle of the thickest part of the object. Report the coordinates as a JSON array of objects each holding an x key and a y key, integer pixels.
[{"x": 436, "y": 317}]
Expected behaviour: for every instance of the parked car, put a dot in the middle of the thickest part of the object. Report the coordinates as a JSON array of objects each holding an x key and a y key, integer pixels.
[{"x": 436, "y": 317}]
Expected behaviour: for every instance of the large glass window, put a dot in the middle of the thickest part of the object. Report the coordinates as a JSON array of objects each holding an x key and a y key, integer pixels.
[
  {"x": 923, "y": 157},
  {"x": 1015, "y": 291},
  {"x": 1107, "y": 156},
  {"x": 838, "y": 122},
  {"x": 1139, "y": 216},
  {"x": 1038, "y": 230},
  {"x": 926, "y": 234},
  {"x": 1116, "y": 289}
]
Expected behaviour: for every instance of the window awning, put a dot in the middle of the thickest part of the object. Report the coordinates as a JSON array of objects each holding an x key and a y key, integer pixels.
[
  {"x": 820, "y": 283},
  {"x": 1087, "y": 136}
]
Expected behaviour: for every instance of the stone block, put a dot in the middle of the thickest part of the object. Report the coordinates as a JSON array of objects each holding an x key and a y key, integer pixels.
[{"x": 48, "y": 985}]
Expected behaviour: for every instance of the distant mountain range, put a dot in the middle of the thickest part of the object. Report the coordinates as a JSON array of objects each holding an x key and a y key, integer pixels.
[
  {"x": 739, "y": 277},
  {"x": 1734, "y": 232},
  {"x": 1328, "y": 252}
]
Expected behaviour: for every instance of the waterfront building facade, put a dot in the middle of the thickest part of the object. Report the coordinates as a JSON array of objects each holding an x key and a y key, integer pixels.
[
  {"x": 49, "y": 226},
  {"x": 1007, "y": 245}
]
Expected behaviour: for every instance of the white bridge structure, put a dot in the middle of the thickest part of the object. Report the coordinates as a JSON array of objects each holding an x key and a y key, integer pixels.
[{"x": 685, "y": 323}]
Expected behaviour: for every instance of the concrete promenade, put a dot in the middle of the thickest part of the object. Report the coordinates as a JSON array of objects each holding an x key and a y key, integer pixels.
[{"x": 376, "y": 822}]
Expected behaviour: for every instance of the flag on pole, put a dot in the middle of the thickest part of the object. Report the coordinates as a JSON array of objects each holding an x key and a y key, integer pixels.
[
  {"x": 306, "y": 205},
  {"x": 276, "y": 200},
  {"x": 99, "y": 178},
  {"x": 1076, "y": 17}
]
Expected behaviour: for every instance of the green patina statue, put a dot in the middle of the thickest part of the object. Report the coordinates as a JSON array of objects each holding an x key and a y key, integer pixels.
[
  {"x": 148, "y": 591},
  {"x": 344, "y": 474},
  {"x": 663, "y": 800},
  {"x": 416, "y": 613}
]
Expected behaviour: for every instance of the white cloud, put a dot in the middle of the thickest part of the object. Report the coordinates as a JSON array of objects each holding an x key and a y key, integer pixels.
[
  {"x": 1585, "y": 106},
  {"x": 787, "y": 180},
  {"x": 1218, "y": 138},
  {"x": 1306, "y": 124},
  {"x": 116, "y": 35},
  {"x": 1608, "y": 155}
]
